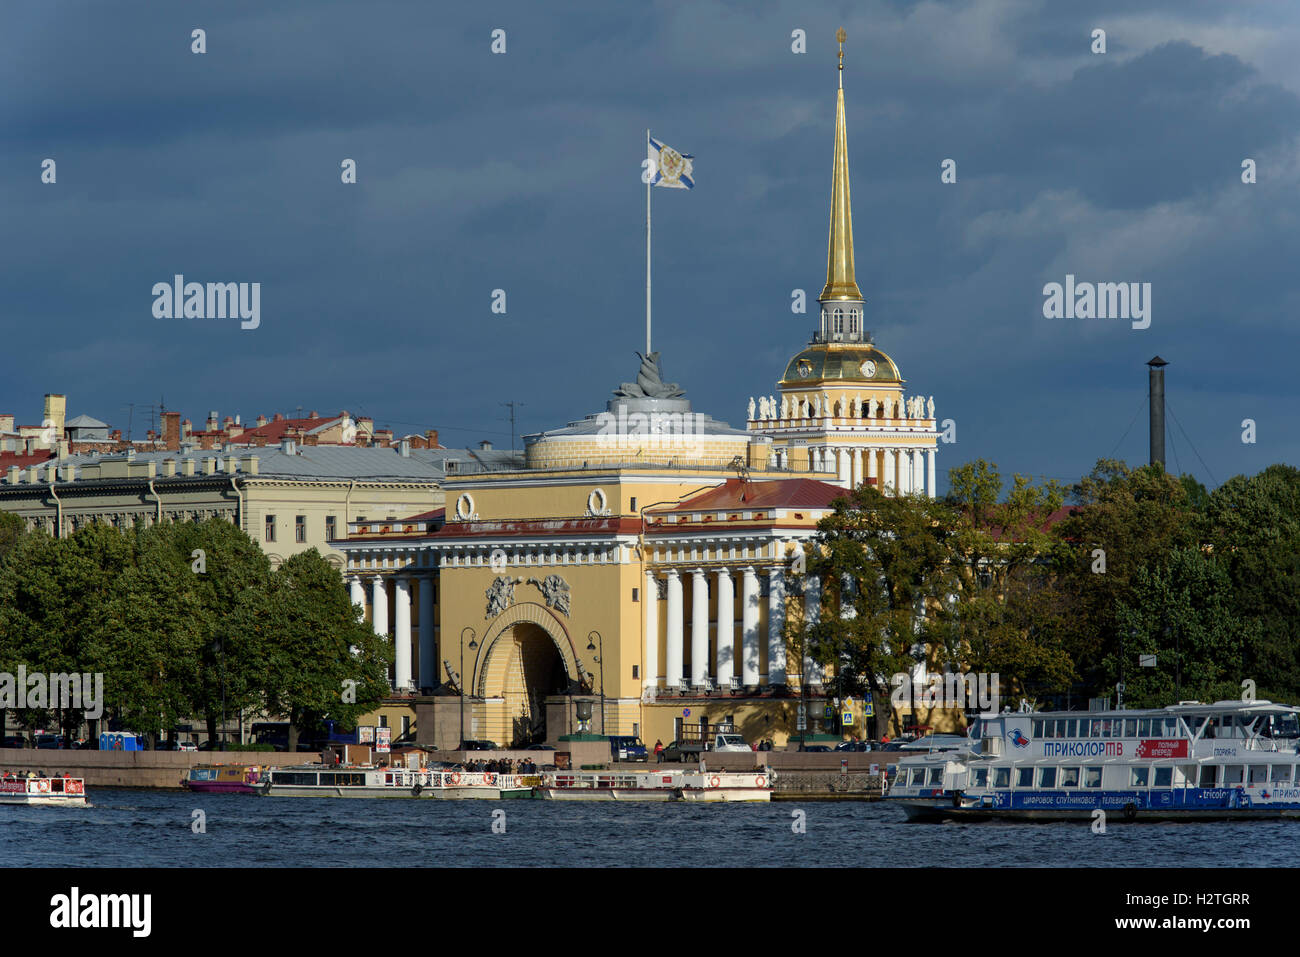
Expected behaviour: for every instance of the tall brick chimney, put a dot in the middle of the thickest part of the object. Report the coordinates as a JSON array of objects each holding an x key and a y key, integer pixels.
[{"x": 171, "y": 431}]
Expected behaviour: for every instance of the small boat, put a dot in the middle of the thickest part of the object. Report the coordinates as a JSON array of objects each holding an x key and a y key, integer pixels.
[
  {"x": 224, "y": 778},
  {"x": 39, "y": 791},
  {"x": 656, "y": 786},
  {"x": 318, "y": 780},
  {"x": 1229, "y": 760}
]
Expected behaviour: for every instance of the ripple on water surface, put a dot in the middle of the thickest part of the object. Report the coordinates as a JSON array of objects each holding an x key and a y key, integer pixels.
[{"x": 155, "y": 829}]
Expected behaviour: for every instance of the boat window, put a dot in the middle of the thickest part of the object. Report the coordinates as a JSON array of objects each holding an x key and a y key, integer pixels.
[
  {"x": 1094, "y": 728},
  {"x": 1281, "y": 772},
  {"x": 1072, "y": 728},
  {"x": 981, "y": 777},
  {"x": 1138, "y": 777},
  {"x": 1069, "y": 777},
  {"x": 917, "y": 778},
  {"x": 1258, "y": 773},
  {"x": 1092, "y": 777},
  {"x": 1130, "y": 727},
  {"x": 1063, "y": 728},
  {"x": 1144, "y": 727},
  {"x": 936, "y": 776},
  {"x": 1047, "y": 777},
  {"x": 1209, "y": 775},
  {"x": 1105, "y": 728},
  {"x": 1038, "y": 728},
  {"x": 1233, "y": 773},
  {"x": 1172, "y": 728},
  {"x": 1002, "y": 777},
  {"x": 1024, "y": 777},
  {"x": 1164, "y": 777}
]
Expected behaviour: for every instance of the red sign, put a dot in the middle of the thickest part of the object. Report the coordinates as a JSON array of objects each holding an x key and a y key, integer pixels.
[
  {"x": 13, "y": 787},
  {"x": 1162, "y": 748}
]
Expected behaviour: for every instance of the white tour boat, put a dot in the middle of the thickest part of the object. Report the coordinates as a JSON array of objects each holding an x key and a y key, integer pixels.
[
  {"x": 56, "y": 790},
  {"x": 656, "y": 786},
  {"x": 318, "y": 780},
  {"x": 1190, "y": 761}
]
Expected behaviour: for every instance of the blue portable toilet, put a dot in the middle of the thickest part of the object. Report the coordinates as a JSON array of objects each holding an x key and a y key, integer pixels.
[{"x": 119, "y": 741}]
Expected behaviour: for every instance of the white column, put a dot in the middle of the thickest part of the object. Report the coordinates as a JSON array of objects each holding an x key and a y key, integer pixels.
[
  {"x": 776, "y": 626},
  {"x": 379, "y": 603},
  {"x": 889, "y": 472},
  {"x": 725, "y": 661},
  {"x": 699, "y": 627},
  {"x": 812, "y": 603},
  {"x": 845, "y": 467},
  {"x": 871, "y": 465},
  {"x": 749, "y": 627},
  {"x": 428, "y": 654},
  {"x": 918, "y": 472},
  {"x": 650, "y": 596},
  {"x": 674, "y": 645},
  {"x": 857, "y": 467},
  {"x": 929, "y": 483},
  {"x": 357, "y": 591},
  {"x": 402, "y": 634}
]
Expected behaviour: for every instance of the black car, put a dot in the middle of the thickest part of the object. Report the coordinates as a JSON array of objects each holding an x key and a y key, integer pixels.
[
  {"x": 15, "y": 741},
  {"x": 477, "y": 746},
  {"x": 674, "y": 754},
  {"x": 814, "y": 747}
]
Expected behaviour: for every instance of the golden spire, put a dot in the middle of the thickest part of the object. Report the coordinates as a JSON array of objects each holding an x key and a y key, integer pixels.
[{"x": 840, "y": 283}]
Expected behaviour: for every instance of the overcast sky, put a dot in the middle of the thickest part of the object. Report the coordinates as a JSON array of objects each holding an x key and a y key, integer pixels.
[{"x": 521, "y": 171}]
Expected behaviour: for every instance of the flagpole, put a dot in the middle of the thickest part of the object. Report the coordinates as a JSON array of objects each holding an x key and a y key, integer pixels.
[{"x": 647, "y": 252}]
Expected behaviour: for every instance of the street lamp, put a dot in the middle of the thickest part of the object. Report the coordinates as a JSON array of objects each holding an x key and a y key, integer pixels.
[
  {"x": 592, "y": 647},
  {"x": 473, "y": 643}
]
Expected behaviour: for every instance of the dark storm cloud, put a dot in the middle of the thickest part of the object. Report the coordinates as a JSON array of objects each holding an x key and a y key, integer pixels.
[{"x": 521, "y": 172}]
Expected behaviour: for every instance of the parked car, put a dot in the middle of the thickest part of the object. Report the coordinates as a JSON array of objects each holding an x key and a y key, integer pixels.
[
  {"x": 186, "y": 746},
  {"x": 729, "y": 742},
  {"x": 814, "y": 747},
  {"x": 539, "y": 747},
  {"x": 49, "y": 742},
  {"x": 15, "y": 741},
  {"x": 673, "y": 753},
  {"x": 478, "y": 746},
  {"x": 626, "y": 747}
]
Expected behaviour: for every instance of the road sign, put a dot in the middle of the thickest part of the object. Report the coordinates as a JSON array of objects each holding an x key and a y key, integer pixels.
[
  {"x": 1147, "y": 661},
  {"x": 828, "y": 712},
  {"x": 686, "y": 712},
  {"x": 1120, "y": 687},
  {"x": 801, "y": 724},
  {"x": 868, "y": 709},
  {"x": 847, "y": 718}
]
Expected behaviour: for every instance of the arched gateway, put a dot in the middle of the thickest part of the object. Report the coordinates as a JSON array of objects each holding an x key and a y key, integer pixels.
[{"x": 526, "y": 656}]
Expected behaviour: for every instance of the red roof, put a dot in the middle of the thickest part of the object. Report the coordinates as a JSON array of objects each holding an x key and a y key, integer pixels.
[
  {"x": 23, "y": 460},
  {"x": 779, "y": 493},
  {"x": 540, "y": 527},
  {"x": 273, "y": 432}
]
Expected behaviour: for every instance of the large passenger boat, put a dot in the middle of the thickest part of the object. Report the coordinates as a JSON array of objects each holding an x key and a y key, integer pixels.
[
  {"x": 317, "y": 780},
  {"x": 656, "y": 786},
  {"x": 1190, "y": 761},
  {"x": 43, "y": 791}
]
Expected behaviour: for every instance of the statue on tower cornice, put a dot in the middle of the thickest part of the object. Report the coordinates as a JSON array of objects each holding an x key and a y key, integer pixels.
[{"x": 649, "y": 382}]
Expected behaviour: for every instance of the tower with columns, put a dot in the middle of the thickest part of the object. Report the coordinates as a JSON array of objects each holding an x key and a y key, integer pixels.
[{"x": 842, "y": 408}]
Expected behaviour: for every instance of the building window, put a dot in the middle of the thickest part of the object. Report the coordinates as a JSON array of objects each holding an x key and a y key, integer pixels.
[
  {"x": 636, "y": 594},
  {"x": 330, "y": 527},
  {"x": 634, "y": 503},
  {"x": 300, "y": 528},
  {"x": 636, "y": 671},
  {"x": 270, "y": 528}
]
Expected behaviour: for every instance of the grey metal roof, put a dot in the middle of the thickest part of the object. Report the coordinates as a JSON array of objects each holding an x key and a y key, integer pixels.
[
  {"x": 85, "y": 422},
  {"x": 333, "y": 461}
]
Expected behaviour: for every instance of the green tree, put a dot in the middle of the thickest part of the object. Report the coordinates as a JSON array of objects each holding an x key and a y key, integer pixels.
[
  {"x": 1182, "y": 612},
  {"x": 311, "y": 641}
]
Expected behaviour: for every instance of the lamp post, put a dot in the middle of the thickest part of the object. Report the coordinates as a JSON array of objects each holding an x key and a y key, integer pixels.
[
  {"x": 591, "y": 646},
  {"x": 473, "y": 643}
]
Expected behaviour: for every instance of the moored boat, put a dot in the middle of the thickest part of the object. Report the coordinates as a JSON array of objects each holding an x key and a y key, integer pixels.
[
  {"x": 1190, "y": 761},
  {"x": 43, "y": 791},
  {"x": 317, "y": 780},
  {"x": 655, "y": 786},
  {"x": 224, "y": 778}
]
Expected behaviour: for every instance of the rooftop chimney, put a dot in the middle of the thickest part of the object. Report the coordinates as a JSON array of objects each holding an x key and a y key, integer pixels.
[
  {"x": 171, "y": 431},
  {"x": 1156, "y": 392},
  {"x": 213, "y": 421},
  {"x": 431, "y": 436},
  {"x": 485, "y": 446}
]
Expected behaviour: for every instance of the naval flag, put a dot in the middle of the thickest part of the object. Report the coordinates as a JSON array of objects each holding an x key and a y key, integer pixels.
[{"x": 671, "y": 168}]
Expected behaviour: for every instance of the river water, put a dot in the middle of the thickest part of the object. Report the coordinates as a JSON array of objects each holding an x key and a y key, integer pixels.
[{"x": 128, "y": 828}]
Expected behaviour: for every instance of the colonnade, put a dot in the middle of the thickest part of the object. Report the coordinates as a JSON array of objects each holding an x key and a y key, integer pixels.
[
  {"x": 904, "y": 470},
  {"x": 400, "y": 626}
]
